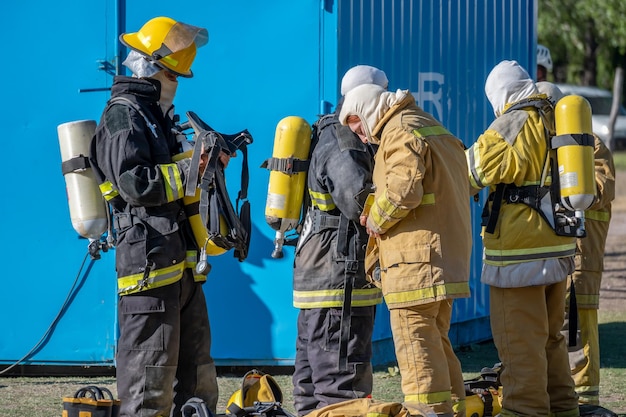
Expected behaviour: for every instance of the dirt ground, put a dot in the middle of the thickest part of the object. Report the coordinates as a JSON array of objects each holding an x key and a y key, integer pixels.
[{"x": 613, "y": 289}]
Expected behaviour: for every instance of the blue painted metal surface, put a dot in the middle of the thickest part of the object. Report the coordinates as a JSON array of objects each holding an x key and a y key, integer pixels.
[{"x": 264, "y": 61}]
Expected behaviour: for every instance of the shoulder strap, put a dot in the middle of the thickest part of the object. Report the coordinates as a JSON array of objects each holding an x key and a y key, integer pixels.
[{"x": 137, "y": 108}]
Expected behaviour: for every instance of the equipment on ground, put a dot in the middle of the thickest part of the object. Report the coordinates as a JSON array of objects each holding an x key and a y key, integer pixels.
[
  {"x": 259, "y": 394},
  {"x": 91, "y": 401},
  {"x": 574, "y": 144},
  {"x": 287, "y": 183},
  {"x": 483, "y": 394},
  {"x": 88, "y": 210}
]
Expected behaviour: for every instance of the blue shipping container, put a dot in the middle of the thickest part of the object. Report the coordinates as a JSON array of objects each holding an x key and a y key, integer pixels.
[{"x": 264, "y": 61}]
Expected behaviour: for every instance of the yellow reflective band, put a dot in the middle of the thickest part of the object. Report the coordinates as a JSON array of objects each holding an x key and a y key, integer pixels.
[
  {"x": 323, "y": 201},
  {"x": 428, "y": 199},
  {"x": 430, "y": 398},
  {"x": 427, "y": 293},
  {"x": 157, "y": 278},
  {"x": 599, "y": 215},
  {"x": 173, "y": 62},
  {"x": 587, "y": 299},
  {"x": 173, "y": 183},
  {"x": 430, "y": 131},
  {"x": 477, "y": 176},
  {"x": 459, "y": 406},
  {"x": 334, "y": 298},
  {"x": 505, "y": 257},
  {"x": 190, "y": 262},
  {"x": 386, "y": 212},
  {"x": 107, "y": 190}
]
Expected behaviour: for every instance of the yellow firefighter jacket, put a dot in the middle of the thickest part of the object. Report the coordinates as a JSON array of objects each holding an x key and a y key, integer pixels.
[
  {"x": 513, "y": 150},
  {"x": 590, "y": 249},
  {"x": 421, "y": 208}
]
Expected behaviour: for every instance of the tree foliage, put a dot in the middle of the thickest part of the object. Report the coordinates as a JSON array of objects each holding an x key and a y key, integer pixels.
[{"x": 587, "y": 39}]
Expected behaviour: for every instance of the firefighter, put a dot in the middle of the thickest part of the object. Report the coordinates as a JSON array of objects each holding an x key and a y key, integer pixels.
[
  {"x": 584, "y": 358},
  {"x": 525, "y": 263},
  {"x": 420, "y": 237},
  {"x": 337, "y": 304},
  {"x": 544, "y": 63},
  {"x": 163, "y": 353}
]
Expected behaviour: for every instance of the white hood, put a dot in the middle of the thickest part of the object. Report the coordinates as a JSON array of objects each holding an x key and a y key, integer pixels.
[
  {"x": 507, "y": 83},
  {"x": 369, "y": 102}
]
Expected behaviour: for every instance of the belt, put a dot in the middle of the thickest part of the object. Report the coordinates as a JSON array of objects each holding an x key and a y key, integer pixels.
[{"x": 322, "y": 220}]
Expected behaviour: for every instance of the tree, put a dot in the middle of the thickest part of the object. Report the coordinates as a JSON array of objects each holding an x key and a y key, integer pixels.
[{"x": 587, "y": 39}]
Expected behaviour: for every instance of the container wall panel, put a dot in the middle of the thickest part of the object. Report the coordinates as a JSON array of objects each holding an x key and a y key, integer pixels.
[{"x": 264, "y": 61}]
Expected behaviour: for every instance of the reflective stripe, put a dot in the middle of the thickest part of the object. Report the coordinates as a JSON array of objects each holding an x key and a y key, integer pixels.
[
  {"x": 402, "y": 297},
  {"x": 477, "y": 176},
  {"x": 386, "y": 212},
  {"x": 428, "y": 199},
  {"x": 107, "y": 190},
  {"x": 505, "y": 257},
  {"x": 190, "y": 262},
  {"x": 334, "y": 298},
  {"x": 168, "y": 58},
  {"x": 424, "y": 132},
  {"x": 323, "y": 201},
  {"x": 587, "y": 299},
  {"x": 173, "y": 183},
  {"x": 459, "y": 405},
  {"x": 430, "y": 398},
  {"x": 599, "y": 215},
  {"x": 157, "y": 278}
]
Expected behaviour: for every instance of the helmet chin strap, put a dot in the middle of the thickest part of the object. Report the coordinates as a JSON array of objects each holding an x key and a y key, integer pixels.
[{"x": 168, "y": 90}]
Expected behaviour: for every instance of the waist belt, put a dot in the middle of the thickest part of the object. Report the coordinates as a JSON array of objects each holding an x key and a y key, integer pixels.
[{"x": 322, "y": 220}]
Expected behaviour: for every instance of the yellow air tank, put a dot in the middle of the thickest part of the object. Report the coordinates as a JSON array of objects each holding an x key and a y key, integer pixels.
[
  {"x": 287, "y": 182},
  {"x": 192, "y": 209},
  {"x": 88, "y": 210},
  {"x": 475, "y": 403},
  {"x": 574, "y": 144}
]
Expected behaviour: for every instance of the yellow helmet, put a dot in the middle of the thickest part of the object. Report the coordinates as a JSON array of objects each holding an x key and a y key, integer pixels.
[
  {"x": 170, "y": 44},
  {"x": 255, "y": 386}
]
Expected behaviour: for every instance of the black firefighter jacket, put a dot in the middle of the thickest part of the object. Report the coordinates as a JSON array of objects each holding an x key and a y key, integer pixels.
[
  {"x": 131, "y": 154},
  {"x": 339, "y": 170}
]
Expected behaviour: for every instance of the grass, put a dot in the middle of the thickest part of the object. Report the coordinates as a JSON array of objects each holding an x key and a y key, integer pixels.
[
  {"x": 619, "y": 158},
  {"x": 42, "y": 396}
]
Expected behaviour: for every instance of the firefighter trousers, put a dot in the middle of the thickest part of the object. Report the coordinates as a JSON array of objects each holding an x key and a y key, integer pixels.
[
  {"x": 431, "y": 372},
  {"x": 584, "y": 358},
  {"x": 317, "y": 381},
  {"x": 163, "y": 353},
  {"x": 526, "y": 325}
]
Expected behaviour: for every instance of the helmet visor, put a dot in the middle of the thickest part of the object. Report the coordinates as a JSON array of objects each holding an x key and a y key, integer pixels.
[{"x": 181, "y": 36}]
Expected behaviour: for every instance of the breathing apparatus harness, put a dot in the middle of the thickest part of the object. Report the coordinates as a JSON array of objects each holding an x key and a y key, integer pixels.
[
  {"x": 214, "y": 199},
  {"x": 543, "y": 198}
]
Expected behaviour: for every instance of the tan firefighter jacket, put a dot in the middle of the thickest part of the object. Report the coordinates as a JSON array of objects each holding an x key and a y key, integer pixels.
[
  {"x": 513, "y": 151},
  {"x": 421, "y": 207}
]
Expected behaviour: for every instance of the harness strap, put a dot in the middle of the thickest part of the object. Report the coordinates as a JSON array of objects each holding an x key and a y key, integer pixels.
[
  {"x": 490, "y": 218},
  {"x": 572, "y": 315},
  {"x": 350, "y": 269},
  {"x": 288, "y": 166},
  {"x": 78, "y": 163}
]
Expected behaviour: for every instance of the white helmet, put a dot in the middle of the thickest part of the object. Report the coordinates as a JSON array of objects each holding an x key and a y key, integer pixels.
[{"x": 543, "y": 57}]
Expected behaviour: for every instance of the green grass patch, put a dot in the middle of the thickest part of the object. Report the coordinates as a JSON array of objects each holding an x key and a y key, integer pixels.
[{"x": 619, "y": 158}]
